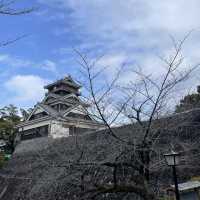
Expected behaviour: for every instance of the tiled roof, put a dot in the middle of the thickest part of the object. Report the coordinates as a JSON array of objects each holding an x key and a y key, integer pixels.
[
  {"x": 51, "y": 111},
  {"x": 64, "y": 99},
  {"x": 67, "y": 80}
]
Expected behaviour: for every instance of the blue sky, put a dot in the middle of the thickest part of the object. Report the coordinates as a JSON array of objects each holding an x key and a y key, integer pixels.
[{"x": 132, "y": 31}]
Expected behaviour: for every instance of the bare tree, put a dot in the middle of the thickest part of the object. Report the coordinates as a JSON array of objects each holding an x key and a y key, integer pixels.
[
  {"x": 119, "y": 162},
  {"x": 7, "y": 7},
  {"x": 143, "y": 104}
]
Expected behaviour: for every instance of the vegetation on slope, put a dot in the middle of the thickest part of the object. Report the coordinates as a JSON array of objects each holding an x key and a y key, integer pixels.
[
  {"x": 188, "y": 102},
  {"x": 47, "y": 169}
]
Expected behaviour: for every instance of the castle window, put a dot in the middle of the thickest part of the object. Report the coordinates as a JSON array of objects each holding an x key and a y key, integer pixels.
[
  {"x": 79, "y": 116},
  {"x": 60, "y": 107}
]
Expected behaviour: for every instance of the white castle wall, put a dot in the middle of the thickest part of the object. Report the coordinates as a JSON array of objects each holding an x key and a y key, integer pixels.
[{"x": 57, "y": 130}]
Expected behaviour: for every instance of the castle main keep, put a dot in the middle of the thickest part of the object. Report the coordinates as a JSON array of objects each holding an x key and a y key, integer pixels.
[{"x": 60, "y": 114}]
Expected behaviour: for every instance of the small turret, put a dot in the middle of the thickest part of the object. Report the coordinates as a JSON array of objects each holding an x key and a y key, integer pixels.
[{"x": 64, "y": 86}]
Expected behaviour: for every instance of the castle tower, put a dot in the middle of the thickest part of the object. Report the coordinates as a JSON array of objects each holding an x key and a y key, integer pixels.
[
  {"x": 64, "y": 87},
  {"x": 60, "y": 114}
]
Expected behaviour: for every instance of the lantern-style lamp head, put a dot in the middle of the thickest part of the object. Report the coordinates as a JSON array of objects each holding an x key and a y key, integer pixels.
[{"x": 172, "y": 158}]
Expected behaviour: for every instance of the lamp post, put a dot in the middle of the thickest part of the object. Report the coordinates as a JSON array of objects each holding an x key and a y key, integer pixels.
[{"x": 172, "y": 159}]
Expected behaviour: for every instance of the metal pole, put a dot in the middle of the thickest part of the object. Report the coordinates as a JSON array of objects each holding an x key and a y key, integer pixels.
[{"x": 175, "y": 183}]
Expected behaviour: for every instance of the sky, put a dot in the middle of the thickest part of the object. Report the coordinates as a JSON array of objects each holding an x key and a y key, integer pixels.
[{"x": 131, "y": 32}]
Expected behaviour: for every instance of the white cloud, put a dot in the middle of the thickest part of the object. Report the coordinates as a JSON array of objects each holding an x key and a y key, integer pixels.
[
  {"x": 49, "y": 66},
  {"x": 132, "y": 14},
  {"x": 25, "y": 89},
  {"x": 113, "y": 60},
  {"x": 129, "y": 25},
  {"x": 3, "y": 57},
  {"x": 132, "y": 31},
  {"x": 13, "y": 61},
  {"x": 17, "y": 62}
]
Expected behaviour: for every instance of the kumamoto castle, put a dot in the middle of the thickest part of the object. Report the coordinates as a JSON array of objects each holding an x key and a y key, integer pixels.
[{"x": 60, "y": 114}]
